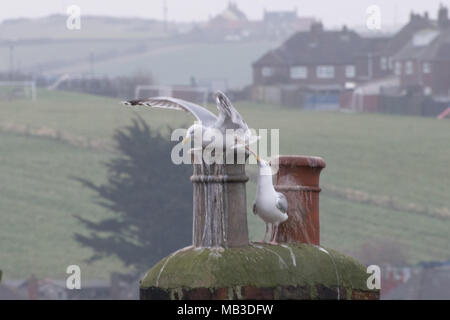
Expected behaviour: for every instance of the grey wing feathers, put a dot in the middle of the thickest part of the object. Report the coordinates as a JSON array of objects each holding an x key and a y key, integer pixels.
[
  {"x": 282, "y": 203},
  {"x": 202, "y": 114},
  {"x": 228, "y": 112}
]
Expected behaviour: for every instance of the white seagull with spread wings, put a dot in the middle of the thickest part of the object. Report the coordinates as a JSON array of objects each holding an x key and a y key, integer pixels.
[{"x": 207, "y": 123}]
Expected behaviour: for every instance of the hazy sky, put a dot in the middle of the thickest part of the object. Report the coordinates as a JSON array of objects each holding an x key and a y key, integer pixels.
[{"x": 331, "y": 12}]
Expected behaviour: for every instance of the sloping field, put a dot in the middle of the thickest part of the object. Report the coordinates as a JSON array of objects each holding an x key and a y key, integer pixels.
[{"x": 404, "y": 158}]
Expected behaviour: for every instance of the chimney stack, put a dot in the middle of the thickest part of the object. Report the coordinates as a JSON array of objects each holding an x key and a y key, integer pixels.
[
  {"x": 298, "y": 180},
  {"x": 443, "y": 21}
]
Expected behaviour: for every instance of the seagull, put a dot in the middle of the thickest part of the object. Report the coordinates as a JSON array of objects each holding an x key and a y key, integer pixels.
[
  {"x": 271, "y": 206},
  {"x": 207, "y": 123}
]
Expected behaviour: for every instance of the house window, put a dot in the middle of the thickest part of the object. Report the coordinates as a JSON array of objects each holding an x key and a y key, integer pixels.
[
  {"x": 398, "y": 68},
  {"x": 266, "y": 72},
  {"x": 350, "y": 71},
  {"x": 390, "y": 63},
  {"x": 325, "y": 72},
  {"x": 383, "y": 63},
  {"x": 427, "y": 91},
  {"x": 299, "y": 72},
  {"x": 426, "y": 67},
  {"x": 409, "y": 67}
]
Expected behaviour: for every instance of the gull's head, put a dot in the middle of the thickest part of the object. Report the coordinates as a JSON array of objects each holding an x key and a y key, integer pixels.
[
  {"x": 261, "y": 162},
  {"x": 222, "y": 99}
]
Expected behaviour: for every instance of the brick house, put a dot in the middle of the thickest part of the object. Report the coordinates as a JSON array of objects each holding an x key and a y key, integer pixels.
[
  {"x": 416, "y": 23},
  {"x": 319, "y": 63},
  {"x": 334, "y": 67},
  {"x": 424, "y": 62}
]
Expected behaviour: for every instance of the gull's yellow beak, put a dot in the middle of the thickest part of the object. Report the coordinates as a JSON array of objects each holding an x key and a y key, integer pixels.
[
  {"x": 186, "y": 139},
  {"x": 258, "y": 158}
]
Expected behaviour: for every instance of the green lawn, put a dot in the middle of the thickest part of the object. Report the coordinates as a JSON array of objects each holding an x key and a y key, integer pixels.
[{"x": 406, "y": 157}]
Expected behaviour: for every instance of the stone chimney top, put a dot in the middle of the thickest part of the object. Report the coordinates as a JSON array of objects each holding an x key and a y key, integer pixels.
[{"x": 317, "y": 27}]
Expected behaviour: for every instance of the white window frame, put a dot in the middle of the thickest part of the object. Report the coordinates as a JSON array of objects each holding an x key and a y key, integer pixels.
[
  {"x": 350, "y": 71},
  {"x": 383, "y": 63},
  {"x": 409, "y": 67},
  {"x": 398, "y": 68},
  {"x": 299, "y": 72},
  {"x": 267, "y": 72},
  {"x": 390, "y": 63},
  {"x": 426, "y": 67},
  {"x": 325, "y": 72}
]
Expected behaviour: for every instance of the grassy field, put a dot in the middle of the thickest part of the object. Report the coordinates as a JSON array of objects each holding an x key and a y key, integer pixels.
[{"x": 405, "y": 157}]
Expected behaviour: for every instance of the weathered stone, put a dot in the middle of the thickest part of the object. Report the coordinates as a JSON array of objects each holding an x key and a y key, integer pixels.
[{"x": 220, "y": 205}]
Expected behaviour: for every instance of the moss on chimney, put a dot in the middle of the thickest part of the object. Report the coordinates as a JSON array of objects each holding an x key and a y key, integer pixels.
[{"x": 258, "y": 266}]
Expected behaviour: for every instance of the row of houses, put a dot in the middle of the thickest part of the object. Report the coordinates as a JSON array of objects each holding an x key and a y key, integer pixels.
[
  {"x": 323, "y": 68},
  {"x": 232, "y": 24}
]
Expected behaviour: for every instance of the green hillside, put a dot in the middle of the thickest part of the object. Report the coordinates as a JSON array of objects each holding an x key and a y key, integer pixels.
[
  {"x": 403, "y": 157},
  {"x": 121, "y": 47},
  {"x": 230, "y": 62}
]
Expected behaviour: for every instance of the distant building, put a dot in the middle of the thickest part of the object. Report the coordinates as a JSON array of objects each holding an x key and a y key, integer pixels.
[
  {"x": 321, "y": 62},
  {"x": 314, "y": 58},
  {"x": 424, "y": 62},
  {"x": 230, "y": 24},
  {"x": 424, "y": 281},
  {"x": 326, "y": 68},
  {"x": 281, "y": 24},
  {"x": 401, "y": 38}
]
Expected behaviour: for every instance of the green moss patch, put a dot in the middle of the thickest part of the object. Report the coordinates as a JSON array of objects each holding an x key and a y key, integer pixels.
[{"x": 259, "y": 266}]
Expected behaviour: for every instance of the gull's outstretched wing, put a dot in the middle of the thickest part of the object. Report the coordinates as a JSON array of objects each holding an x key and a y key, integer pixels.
[
  {"x": 202, "y": 114},
  {"x": 228, "y": 115},
  {"x": 282, "y": 203}
]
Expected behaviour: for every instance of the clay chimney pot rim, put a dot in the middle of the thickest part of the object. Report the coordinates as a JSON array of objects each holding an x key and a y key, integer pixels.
[{"x": 300, "y": 161}]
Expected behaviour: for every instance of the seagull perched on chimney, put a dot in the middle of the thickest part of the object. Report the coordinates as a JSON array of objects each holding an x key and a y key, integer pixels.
[{"x": 271, "y": 206}]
